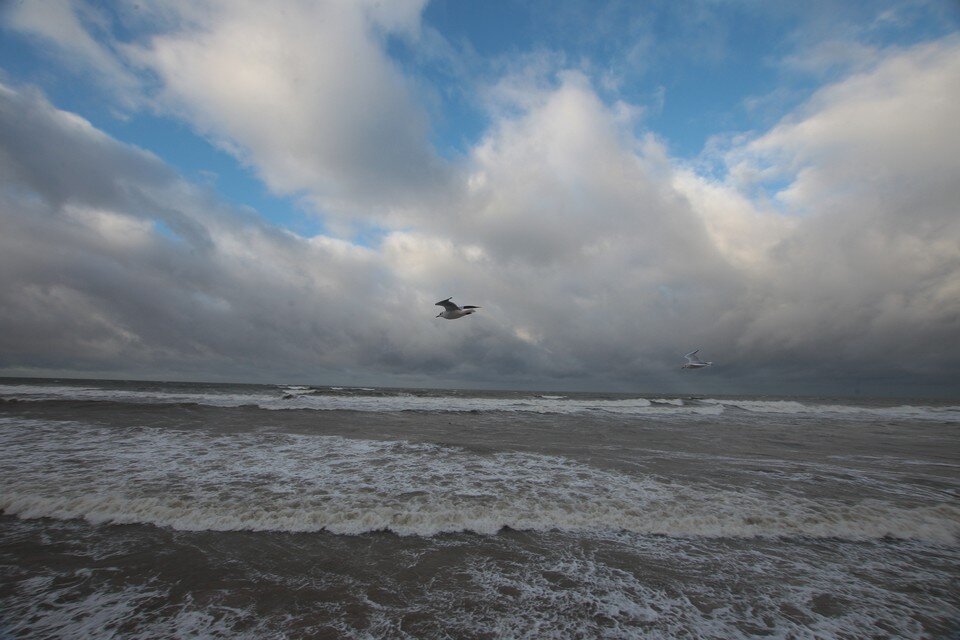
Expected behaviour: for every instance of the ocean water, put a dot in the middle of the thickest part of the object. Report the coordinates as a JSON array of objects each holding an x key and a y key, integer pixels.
[{"x": 157, "y": 510}]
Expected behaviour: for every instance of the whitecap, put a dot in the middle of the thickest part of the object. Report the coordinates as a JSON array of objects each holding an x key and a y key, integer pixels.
[{"x": 269, "y": 482}]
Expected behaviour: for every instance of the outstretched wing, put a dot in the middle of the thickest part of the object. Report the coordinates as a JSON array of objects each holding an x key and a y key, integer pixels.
[
  {"x": 446, "y": 304},
  {"x": 692, "y": 356}
]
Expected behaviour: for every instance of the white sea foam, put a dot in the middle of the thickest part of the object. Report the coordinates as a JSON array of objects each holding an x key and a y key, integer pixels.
[
  {"x": 613, "y": 587},
  {"x": 579, "y": 595},
  {"x": 196, "y": 480},
  {"x": 363, "y": 399},
  {"x": 794, "y": 407},
  {"x": 677, "y": 402},
  {"x": 57, "y": 608},
  {"x": 296, "y": 388},
  {"x": 410, "y": 402},
  {"x": 305, "y": 398},
  {"x": 64, "y": 392}
]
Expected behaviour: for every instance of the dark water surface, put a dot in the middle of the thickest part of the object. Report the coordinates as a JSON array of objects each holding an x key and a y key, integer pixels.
[{"x": 153, "y": 510}]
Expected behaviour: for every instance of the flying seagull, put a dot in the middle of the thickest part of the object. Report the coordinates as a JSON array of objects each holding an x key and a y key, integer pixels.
[
  {"x": 452, "y": 311},
  {"x": 694, "y": 362}
]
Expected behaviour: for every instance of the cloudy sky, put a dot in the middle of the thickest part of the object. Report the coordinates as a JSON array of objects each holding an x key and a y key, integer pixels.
[{"x": 281, "y": 191}]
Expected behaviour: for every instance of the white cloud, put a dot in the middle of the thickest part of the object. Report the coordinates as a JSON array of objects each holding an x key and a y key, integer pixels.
[
  {"x": 872, "y": 171},
  {"x": 743, "y": 230},
  {"x": 874, "y": 132},
  {"x": 565, "y": 174},
  {"x": 304, "y": 93},
  {"x": 71, "y": 31},
  {"x": 832, "y": 55}
]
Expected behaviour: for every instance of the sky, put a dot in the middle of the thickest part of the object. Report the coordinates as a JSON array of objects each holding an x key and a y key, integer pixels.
[{"x": 234, "y": 190}]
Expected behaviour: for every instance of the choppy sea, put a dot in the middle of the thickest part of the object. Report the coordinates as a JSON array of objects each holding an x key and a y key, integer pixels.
[{"x": 159, "y": 510}]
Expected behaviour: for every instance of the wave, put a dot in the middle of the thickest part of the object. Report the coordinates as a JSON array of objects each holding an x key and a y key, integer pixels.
[
  {"x": 274, "y": 482},
  {"x": 368, "y": 399},
  {"x": 354, "y": 399},
  {"x": 455, "y": 514},
  {"x": 40, "y": 393},
  {"x": 798, "y": 408}
]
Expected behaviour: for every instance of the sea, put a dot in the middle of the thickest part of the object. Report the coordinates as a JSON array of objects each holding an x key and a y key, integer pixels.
[{"x": 184, "y": 510}]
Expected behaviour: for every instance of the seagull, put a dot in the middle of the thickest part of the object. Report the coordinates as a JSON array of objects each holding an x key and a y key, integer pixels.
[
  {"x": 452, "y": 311},
  {"x": 694, "y": 362}
]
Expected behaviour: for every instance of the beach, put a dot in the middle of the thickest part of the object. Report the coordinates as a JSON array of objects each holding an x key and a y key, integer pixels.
[{"x": 151, "y": 509}]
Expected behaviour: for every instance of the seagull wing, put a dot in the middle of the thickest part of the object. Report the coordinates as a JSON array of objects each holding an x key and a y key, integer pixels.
[
  {"x": 692, "y": 356},
  {"x": 446, "y": 304}
]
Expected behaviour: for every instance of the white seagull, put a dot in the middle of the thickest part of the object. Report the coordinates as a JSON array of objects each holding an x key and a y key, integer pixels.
[
  {"x": 694, "y": 362},
  {"x": 452, "y": 311}
]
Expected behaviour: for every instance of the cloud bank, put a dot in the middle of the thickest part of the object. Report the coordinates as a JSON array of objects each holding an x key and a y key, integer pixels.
[{"x": 826, "y": 250}]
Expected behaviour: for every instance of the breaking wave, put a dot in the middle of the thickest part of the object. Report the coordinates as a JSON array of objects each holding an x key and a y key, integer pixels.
[
  {"x": 281, "y": 482},
  {"x": 368, "y": 399}
]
